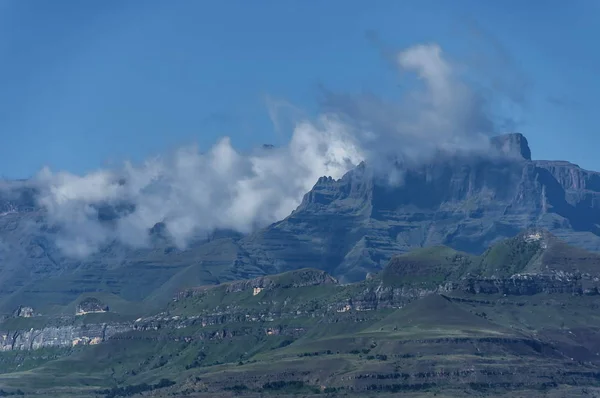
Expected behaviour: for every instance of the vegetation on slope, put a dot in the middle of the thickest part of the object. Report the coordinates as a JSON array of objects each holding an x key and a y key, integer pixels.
[{"x": 303, "y": 333}]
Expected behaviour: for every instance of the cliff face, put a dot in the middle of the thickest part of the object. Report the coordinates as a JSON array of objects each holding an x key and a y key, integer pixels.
[
  {"x": 512, "y": 145},
  {"x": 529, "y": 285},
  {"x": 59, "y": 336},
  {"x": 352, "y": 226}
]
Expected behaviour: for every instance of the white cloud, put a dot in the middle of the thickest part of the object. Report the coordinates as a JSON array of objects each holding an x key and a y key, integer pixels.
[
  {"x": 194, "y": 193},
  {"x": 427, "y": 61}
]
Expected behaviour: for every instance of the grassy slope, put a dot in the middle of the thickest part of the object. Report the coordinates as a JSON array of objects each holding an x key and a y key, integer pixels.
[
  {"x": 328, "y": 352},
  {"x": 429, "y": 266},
  {"x": 437, "y": 316},
  {"x": 435, "y": 265},
  {"x": 522, "y": 343}
]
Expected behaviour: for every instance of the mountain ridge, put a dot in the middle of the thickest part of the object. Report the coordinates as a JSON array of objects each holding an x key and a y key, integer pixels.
[
  {"x": 464, "y": 203},
  {"x": 348, "y": 227}
]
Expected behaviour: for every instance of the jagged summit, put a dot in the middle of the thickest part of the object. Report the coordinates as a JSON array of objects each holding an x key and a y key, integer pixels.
[
  {"x": 352, "y": 226},
  {"x": 509, "y": 146},
  {"x": 513, "y": 144}
]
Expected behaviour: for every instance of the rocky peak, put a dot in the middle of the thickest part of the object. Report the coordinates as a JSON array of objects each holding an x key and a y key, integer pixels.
[
  {"x": 467, "y": 201},
  {"x": 514, "y": 145}
]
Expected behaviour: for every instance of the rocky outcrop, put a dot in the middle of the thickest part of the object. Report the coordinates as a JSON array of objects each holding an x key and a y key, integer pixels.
[
  {"x": 90, "y": 305},
  {"x": 528, "y": 285},
  {"x": 24, "y": 312},
  {"x": 512, "y": 145}
]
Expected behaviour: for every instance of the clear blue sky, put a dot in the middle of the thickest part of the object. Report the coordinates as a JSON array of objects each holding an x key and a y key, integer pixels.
[{"x": 86, "y": 83}]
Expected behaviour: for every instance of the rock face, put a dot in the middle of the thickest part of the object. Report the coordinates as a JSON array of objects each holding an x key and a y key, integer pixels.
[
  {"x": 512, "y": 145},
  {"x": 24, "y": 312},
  {"x": 59, "y": 336},
  {"x": 354, "y": 225}
]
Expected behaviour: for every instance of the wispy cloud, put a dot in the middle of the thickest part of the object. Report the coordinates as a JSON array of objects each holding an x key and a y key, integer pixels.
[
  {"x": 564, "y": 102},
  {"x": 504, "y": 74},
  {"x": 442, "y": 112},
  {"x": 283, "y": 114}
]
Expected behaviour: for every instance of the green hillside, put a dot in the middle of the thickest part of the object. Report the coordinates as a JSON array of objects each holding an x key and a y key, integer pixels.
[{"x": 414, "y": 329}]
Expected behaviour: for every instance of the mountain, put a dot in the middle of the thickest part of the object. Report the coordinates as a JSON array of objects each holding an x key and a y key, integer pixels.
[
  {"x": 352, "y": 226},
  {"x": 349, "y": 228},
  {"x": 521, "y": 319}
]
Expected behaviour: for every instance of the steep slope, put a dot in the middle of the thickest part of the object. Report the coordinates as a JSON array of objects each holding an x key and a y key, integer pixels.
[{"x": 354, "y": 225}]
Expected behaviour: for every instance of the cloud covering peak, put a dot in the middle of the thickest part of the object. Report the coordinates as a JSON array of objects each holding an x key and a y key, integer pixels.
[{"x": 193, "y": 193}]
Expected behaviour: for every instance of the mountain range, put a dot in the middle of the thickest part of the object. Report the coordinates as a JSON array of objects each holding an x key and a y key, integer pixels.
[
  {"x": 349, "y": 227},
  {"x": 468, "y": 274}
]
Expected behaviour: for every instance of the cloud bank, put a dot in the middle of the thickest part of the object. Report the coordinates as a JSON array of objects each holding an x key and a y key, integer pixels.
[{"x": 193, "y": 193}]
